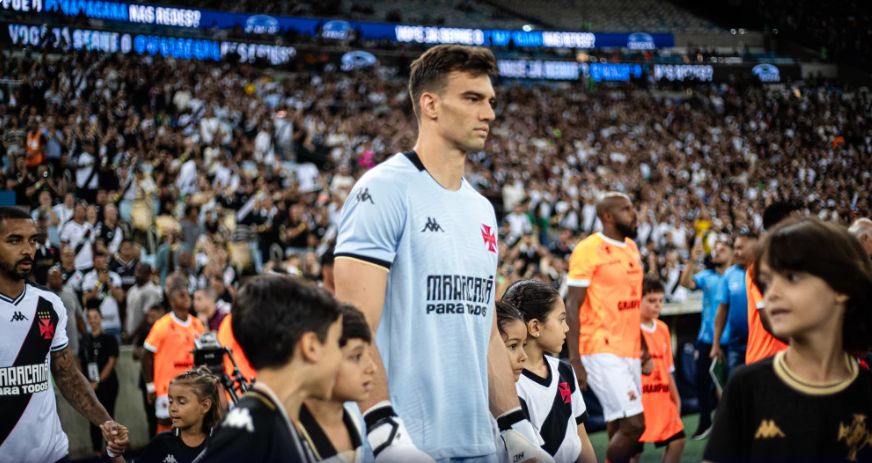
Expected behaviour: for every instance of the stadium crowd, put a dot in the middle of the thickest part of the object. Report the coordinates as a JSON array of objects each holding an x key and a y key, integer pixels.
[{"x": 240, "y": 160}]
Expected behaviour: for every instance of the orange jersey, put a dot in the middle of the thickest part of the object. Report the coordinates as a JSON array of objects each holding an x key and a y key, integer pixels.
[
  {"x": 661, "y": 414},
  {"x": 172, "y": 342},
  {"x": 761, "y": 344},
  {"x": 609, "y": 317},
  {"x": 226, "y": 339}
]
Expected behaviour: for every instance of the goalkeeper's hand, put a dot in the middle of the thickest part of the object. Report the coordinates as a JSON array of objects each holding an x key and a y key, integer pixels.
[{"x": 389, "y": 439}]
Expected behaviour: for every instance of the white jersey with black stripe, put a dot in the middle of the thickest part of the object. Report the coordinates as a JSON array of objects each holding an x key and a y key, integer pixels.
[
  {"x": 555, "y": 407},
  {"x": 32, "y": 325}
]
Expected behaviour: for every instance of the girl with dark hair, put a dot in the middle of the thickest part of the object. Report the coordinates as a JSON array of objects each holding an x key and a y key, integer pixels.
[
  {"x": 810, "y": 402},
  {"x": 510, "y": 322},
  {"x": 548, "y": 385},
  {"x": 195, "y": 409}
]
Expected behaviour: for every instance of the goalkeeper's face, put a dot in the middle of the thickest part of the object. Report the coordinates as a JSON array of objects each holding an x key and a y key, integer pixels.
[
  {"x": 356, "y": 371},
  {"x": 465, "y": 110}
]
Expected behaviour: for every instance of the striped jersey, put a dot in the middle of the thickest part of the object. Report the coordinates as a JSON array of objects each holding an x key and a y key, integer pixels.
[
  {"x": 32, "y": 325},
  {"x": 440, "y": 249},
  {"x": 555, "y": 407}
]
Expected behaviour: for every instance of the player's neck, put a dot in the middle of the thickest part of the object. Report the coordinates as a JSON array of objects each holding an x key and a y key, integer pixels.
[
  {"x": 817, "y": 358},
  {"x": 193, "y": 436},
  {"x": 535, "y": 358},
  {"x": 181, "y": 315},
  {"x": 286, "y": 384},
  {"x": 11, "y": 288},
  {"x": 647, "y": 322},
  {"x": 613, "y": 233},
  {"x": 444, "y": 162},
  {"x": 327, "y": 413}
]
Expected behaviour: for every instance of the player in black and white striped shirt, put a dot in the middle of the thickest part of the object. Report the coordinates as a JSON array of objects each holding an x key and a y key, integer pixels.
[
  {"x": 548, "y": 385},
  {"x": 33, "y": 341}
]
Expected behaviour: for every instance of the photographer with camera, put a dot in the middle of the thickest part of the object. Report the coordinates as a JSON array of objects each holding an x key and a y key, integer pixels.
[
  {"x": 168, "y": 347},
  {"x": 290, "y": 332}
]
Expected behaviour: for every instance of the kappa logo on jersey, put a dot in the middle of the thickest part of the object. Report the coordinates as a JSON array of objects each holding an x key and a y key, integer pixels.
[
  {"x": 239, "y": 418},
  {"x": 18, "y": 317},
  {"x": 432, "y": 226},
  {"x": 565, "y": 393},
  {"x": 767, "y": 430},
  {"x": 170, "y": 459},
  {"x": 363, "y": 196},
  {"x": 490, "y": 240}
]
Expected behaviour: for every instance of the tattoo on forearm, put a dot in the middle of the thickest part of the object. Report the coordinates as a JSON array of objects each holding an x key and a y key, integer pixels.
[{"x": 75, "y": 388}]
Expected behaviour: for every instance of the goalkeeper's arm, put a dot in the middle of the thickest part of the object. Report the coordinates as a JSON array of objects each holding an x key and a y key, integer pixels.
[{"x": 364, "y": 285}]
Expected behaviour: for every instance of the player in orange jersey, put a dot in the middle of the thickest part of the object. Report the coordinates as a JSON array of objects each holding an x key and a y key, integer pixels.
[
  {"x": 663, "y": 424},
  {"x": 605, "y": 285},
  {"x": 169, "y": 348},
  {"x": 761, "y": 343}
]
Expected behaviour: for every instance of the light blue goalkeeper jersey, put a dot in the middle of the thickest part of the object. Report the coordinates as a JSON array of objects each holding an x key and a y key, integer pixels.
[{"x": 440, "y": 249}]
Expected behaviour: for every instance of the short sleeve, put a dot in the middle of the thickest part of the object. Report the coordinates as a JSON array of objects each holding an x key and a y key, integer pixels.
[
  {"x": 60, "y": 341},
  {"x": 111, "y": 346},
  {"x": 373, "y": 219},
  {"x": 579, "y": 408},
  {"x": 155, "y": 338},
  {"x": 699, "y": 279},
  {"x": 722, "y": 293},
  {"x": 65, "y": 234},
  {"x": 581, "y": 266}
]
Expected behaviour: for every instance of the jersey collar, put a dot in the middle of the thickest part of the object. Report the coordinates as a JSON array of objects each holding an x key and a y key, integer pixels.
[
  {"x": 182, "y": 323},
  {"x": 16, "y": 300},
  {"x": 611, "y": 241},
  {"x": 813, "y": 388},
  {"x": 651, "y": 328}
]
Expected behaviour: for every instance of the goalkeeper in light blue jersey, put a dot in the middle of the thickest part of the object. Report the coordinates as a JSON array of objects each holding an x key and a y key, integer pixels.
[{"x": 417, "y": 253}]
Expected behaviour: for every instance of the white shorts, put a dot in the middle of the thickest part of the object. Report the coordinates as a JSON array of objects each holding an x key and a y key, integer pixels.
[
  {"x": 162, "y": 407},
  {"x": 617, "y": 383}
]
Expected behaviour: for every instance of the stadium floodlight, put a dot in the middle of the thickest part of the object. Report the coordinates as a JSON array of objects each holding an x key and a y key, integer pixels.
[{"x": 527, "y": 28}]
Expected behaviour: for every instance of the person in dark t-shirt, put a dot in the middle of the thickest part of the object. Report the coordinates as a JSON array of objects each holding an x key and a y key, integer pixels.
[
  {"x": 811, "y": 402},
  {"x": 277, "y": 321},
  {"x": 98, "y": 355}
]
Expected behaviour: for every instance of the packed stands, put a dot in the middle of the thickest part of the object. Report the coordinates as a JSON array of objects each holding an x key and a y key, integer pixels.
[{"x": 273, "y": 154}]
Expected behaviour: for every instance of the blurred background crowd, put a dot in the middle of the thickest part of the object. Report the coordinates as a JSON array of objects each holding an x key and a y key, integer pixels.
[{"x": 221, "y": 172}]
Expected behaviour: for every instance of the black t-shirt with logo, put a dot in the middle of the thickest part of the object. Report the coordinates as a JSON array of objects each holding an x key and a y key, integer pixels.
[
  {"x": 168, "y": 447},
  {"x": 97, "y": 350},
  {"x": 257, "y": 431},
  {"x": 768, "y": 414},
  {"x": 44, "y": 258}
]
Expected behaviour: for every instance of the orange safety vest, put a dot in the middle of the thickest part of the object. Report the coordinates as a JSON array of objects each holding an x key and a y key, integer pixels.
[{"x": 35, "y": 153}]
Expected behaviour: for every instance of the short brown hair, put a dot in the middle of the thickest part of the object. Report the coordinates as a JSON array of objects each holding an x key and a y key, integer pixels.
[
  {"x": 830, "y": 253},
  {"x": 429, "y": 73}
]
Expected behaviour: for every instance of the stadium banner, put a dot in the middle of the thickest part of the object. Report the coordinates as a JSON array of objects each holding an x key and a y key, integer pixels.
[
  {"x": 622, "y": 72},
  {"x": 143, "y": 13},
  {"x": 25, "y": 35},
  {"x": 766, "y": 73}
]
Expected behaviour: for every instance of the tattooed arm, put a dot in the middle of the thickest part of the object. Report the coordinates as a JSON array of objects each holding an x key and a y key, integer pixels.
[
  {"x": 76, "y": 389},
  {"x": 78, "y": 392}
]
